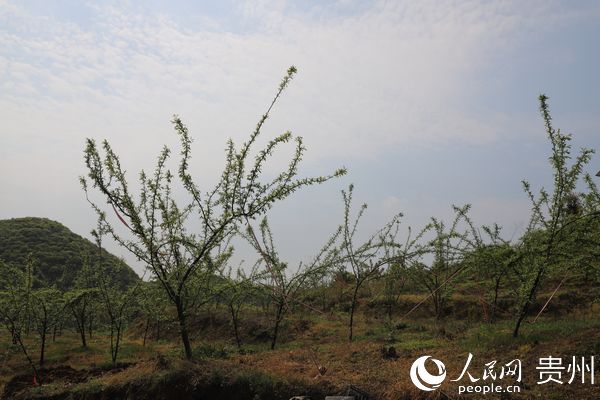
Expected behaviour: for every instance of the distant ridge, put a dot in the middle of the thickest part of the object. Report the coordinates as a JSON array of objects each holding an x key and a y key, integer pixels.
[{"x": 59, "y": 253}]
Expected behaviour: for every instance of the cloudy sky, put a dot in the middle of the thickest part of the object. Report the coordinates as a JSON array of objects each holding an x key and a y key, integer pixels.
[{"x": 427, "y": 103}]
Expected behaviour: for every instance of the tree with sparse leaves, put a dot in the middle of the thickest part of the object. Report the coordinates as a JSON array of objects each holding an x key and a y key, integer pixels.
[
  {"x": 448, "y": 246},
  {"x": 394, "y": 280},
  {"x": 16, "y": 288},
  {"x": 47, "y": 308},
  {"x": 81, "y": 301},
  {"x": 159, "y": 224},
  {"x": 238, "y": 290},
  {"x": 118, "y": 303},
  {"x": 155, "y": 306},
  {"x": 284, "y": 287},
  {"x": 367, "y": 260},
  {"x": 492, "y": 259},
  {"x": 554, "y": 217}
]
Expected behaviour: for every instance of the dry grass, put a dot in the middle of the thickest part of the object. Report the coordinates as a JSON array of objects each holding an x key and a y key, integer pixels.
[{"x": 359, "y": 363}]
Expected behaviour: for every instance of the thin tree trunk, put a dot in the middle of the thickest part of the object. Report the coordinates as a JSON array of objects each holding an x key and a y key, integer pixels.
[
  {"x": 495, "y": 303},
  {"x": 116, "y": 353},
  {"x": 530, "y": 296},
  {"x": 438, "y": 306},
  {"x": 43, "y": 347},
  {"x": 112, "y": 341},
  {"x": 389, "y": 315},
  {"x": 352, "y": 309},
  {"x": 529, "y": 300},
  {"x": 36, "y": 373},
  {"x": 80, "y": 321},
  {"x": 184, "y": 332},
  {"x": 234, "y": 319},
  {"x": 277, "y": 322},
  {"x": 146, "y": 330},
  {"x": 82, "y": 333}
]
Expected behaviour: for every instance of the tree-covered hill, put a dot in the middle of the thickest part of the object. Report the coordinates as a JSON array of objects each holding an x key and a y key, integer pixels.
[{"x": 58, "y": 253}]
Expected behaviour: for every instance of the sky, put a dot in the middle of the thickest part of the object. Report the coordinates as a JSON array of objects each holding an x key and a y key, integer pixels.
[{"x": 427, "y": 104}]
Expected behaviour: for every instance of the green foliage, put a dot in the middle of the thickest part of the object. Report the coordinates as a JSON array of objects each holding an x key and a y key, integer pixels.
[
  {"x": 236, "y": 291},
  {"x": 118, "y": 304},
  {"x": 205, "y": 351},
  {"x": 552, "y": 217},
  {"x": 282, "y": 286},
  {"x": 365, "y": 261},
  {"x": 158, "y": 223},
  {"x": 82, "y": 304},
  {"x": 153, "y": 302},
  {"x": 486, "y": 337},
  {"x": 59, "y": 253},
  {"x": 16, "y": 306},
  {"x": 394, "y": 280},
  {"x": 492, "y": 259},
  {"x": 448, "y": 248},
  {"x": 47, "y": 307}
]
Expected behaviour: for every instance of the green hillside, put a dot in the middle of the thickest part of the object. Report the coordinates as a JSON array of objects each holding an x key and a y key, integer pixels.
[{"x": 57, "y": 251}]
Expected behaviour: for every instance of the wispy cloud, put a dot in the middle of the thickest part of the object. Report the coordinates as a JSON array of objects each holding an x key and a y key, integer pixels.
[
  {"x": 394, "y": 74},
  {"x": 374, "y": 77}
]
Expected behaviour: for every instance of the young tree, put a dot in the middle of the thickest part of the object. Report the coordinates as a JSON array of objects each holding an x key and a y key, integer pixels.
[
  {"x": 493, "y": 258},
  {"x": 158, "y": 224},
  {"x": 394, "y": 280},
  {"x": 155, "y": 306},
  {"x": 81, "y": 301},
  {"x": 550, "y": 222},
  {"x": 118, "y": 303},
  {"x": 588, "y": 240},
  {"x": 238, "y": 290},
  {"x": 15, "y": 305},
  {"x": 365, "y": 261},
  {"x": 448, "y": 248},
  {"x": 283, "y": 288},
  {"x": 47, "y": 307}
]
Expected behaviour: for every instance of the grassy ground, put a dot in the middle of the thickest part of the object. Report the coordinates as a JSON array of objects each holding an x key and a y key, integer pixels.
[{"x": 322, "y": 344}]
